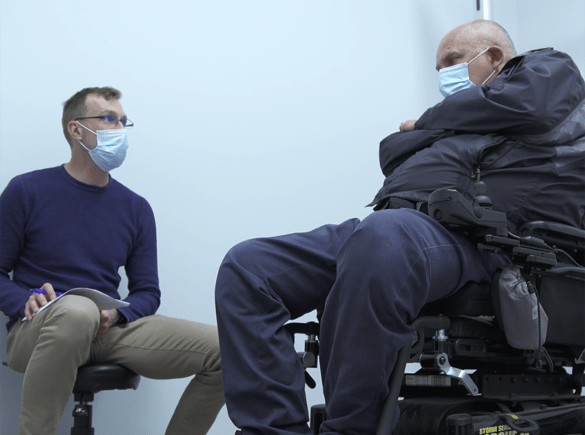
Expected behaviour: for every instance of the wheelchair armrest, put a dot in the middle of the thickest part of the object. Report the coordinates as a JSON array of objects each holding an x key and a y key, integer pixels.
[
  {"x": 544, "y": 229},
  {"x": 567, "y": 238},
  {"x": 562, "y": 236},
  {"x": 452, "y": 209}
]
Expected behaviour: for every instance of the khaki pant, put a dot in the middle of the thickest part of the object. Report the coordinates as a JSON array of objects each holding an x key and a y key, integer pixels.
[{"x": 50, "y": 348}]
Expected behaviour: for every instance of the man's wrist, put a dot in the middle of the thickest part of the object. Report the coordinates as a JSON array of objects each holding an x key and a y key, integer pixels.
[{"x": 121, "y": 318}]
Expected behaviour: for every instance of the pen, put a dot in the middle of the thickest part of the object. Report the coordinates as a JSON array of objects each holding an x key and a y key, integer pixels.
[{"x": 38, "y": 290}]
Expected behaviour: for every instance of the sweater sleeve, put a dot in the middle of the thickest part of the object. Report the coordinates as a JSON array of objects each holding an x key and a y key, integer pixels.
[
  {"x": 142, "y": 269},
  {"x": 12, "y": 224},
  {"x": 531, "y": 96}
]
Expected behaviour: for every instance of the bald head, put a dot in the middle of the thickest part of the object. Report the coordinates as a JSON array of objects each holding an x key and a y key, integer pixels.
[
  {"x": 465, "y": 42},
  {"x": 485, "y": 33}
]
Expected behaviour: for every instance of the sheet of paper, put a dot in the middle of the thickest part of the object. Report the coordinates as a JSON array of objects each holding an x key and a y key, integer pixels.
[{"x": 103, "y": 301}]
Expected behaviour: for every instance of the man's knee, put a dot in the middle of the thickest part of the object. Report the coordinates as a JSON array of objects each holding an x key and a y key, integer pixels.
[
  {"x": 213, "y": 361},
  {"x": 236, "y": 266},
  {"x": 241, "y": 253},
  {"x": 77, "y": 315},
  {"x": 199, "y": 338}
]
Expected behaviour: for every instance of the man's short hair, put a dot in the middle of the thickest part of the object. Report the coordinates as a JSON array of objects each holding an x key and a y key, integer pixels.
[{"x": 75, "y": 106}]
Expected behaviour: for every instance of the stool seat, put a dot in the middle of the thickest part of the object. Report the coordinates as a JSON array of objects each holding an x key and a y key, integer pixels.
[{"x": 93, "y": 378}]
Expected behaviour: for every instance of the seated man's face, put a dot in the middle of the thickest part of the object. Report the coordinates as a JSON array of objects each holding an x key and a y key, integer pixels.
[
  {"x": 96, "y": 105},
  {"x": 458, "y": 47}
]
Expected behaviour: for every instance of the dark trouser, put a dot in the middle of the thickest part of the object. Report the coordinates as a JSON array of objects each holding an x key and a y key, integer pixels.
[{"x": 373, "y": 278}]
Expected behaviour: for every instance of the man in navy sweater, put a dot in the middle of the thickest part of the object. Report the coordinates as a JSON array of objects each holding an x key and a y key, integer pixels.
[{"x": 75, "y": 226}]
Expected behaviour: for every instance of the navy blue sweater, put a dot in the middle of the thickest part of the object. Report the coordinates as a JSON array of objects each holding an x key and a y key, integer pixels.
[{"x": 56, "y": 229}]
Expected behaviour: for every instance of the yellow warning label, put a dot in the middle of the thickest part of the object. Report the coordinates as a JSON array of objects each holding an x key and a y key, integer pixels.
[{"x": 499, "y": 430}]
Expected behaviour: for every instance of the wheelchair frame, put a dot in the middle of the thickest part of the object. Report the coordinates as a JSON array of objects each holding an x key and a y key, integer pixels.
[{"x": 502, "y": 390}]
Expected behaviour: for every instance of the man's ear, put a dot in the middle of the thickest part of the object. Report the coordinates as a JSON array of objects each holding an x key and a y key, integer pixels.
[
  {"x": 496, "y": 56},
  {"x": 75, "y": 130}
]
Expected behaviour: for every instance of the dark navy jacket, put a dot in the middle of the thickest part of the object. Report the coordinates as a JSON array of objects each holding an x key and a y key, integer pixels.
[{"x": 525, "y": 131}]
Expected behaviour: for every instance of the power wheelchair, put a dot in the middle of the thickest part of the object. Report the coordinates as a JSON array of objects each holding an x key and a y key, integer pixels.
[{"x": 471, "y": 381}]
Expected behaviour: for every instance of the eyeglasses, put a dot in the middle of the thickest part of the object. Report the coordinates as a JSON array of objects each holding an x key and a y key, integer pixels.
[{"x": 110, "y": 120}]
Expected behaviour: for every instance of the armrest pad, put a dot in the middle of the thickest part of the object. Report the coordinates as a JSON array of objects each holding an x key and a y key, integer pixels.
[
  {"x": 552, "y": 228},
  {"x": 565, "y": 237}
]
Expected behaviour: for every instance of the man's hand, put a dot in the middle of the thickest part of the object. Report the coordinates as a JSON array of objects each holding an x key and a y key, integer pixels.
[
  {"x": 407, "y": 125},
  {"x": 38, "y": 300},
  {"x": 108, "y": 318}
]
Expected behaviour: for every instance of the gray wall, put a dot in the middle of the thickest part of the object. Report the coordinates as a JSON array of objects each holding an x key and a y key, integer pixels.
[{"x": 252, "y": 118}]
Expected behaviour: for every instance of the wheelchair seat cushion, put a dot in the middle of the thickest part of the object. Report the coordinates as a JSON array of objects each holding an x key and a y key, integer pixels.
[
  {"x": 473, "y": 299},
  {"x": 475, "y": 328}
]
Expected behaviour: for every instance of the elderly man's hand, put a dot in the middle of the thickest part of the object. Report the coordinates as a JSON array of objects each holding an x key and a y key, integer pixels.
[{"x": 407, "y": 125}]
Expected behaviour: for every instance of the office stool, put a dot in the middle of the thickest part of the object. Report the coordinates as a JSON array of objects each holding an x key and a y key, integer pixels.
[{"x": 92, "y": 379}]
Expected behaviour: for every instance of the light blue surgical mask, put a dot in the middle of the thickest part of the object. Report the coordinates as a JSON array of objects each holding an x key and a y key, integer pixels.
[
  {"x": 456, "y": 78},
  {"x": 110, "y": 151}
]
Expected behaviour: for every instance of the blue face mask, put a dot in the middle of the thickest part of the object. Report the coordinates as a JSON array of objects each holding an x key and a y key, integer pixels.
[
  {"x": 110, "y": 151},
  {"x": 456, "y": 78}
]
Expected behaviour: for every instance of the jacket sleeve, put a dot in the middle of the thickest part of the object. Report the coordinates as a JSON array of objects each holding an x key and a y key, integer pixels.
[
  {"x": 399, "y": 147},
  {"x": 532, "y": 95}
]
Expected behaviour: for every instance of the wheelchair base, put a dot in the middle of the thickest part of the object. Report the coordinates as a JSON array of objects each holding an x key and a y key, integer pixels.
[{"x": 467, "y": 416}]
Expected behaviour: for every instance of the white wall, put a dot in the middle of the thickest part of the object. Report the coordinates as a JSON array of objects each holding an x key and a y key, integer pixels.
[{"x": 253, "y": 118}]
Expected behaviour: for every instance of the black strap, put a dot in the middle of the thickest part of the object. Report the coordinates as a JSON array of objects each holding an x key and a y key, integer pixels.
[{"x": 395, "y": 203}]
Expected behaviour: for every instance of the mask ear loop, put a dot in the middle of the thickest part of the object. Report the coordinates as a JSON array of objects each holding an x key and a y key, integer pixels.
[
  {"x": 478, "y": 55},
  {"x": 489, "y": 76},
  {"x": 81, "y": 143},
  {"x": 88, "y": 129}
]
